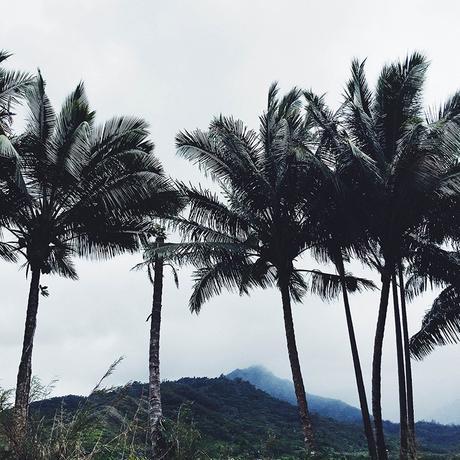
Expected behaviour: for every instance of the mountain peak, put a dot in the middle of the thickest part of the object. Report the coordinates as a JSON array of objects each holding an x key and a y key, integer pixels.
[
  {"x": 283, "y": 389},
  {"x": 255, "y": 369}
]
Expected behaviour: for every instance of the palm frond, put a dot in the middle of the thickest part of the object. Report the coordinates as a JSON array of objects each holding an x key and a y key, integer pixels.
[
  {"x": 328, "y": 286},
  {"x": 203, "y": 150},
  {"x": 209, "y": 282},
  {"x": 440, "y": 326},
  {"x": 398, "y": 99},
  {"x": 194, "y": 253},
  {"x": 208, "y": 210},
  {"x": 449, "y": 111},
  {"x": 357, "y": 89}
]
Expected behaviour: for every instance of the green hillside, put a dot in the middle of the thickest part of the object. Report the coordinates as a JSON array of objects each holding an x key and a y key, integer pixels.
[{"x": 220, "y": 418}]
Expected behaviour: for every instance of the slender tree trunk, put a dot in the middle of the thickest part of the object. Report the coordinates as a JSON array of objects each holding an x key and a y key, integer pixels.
[
  {"x": 357, "y": 366},
  {"x": 309, "y": 437},
  {"x": 409, "y": 384},
  {"x": 403, "y": 447},
  {"x": 155, "y": 412},
  {"x": 377, "y": 366},
  {"x": 21, "y": 405}
]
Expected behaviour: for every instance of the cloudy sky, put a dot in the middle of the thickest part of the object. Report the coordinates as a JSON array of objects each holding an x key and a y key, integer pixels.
[{"x": 177, "y": 64}]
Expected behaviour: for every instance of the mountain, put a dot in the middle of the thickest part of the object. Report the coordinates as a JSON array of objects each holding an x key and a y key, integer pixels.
[
  {"x": 283, "y": 389},
  {"x": 225, "y": 419},
  {"x": 221, "y": 418}
]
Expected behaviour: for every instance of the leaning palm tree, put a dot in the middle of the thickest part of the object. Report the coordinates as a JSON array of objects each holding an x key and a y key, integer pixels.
[
  {"x": 255, "y": 232},
  {"x": 87, "y": 192}
]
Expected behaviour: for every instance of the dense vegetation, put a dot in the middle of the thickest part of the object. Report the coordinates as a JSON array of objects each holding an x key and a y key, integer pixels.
[
  {"x": 376, "y": 181},
  {"x": 220, "y": 418}
]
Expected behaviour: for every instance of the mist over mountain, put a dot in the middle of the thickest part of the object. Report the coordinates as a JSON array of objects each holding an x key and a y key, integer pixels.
[{"x": 283, "y": 389}]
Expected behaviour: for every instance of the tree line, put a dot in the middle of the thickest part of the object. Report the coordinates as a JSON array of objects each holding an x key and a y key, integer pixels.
[{"x": 377, "y": 180}]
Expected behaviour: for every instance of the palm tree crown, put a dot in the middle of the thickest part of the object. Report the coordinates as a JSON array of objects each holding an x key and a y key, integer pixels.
[{"x": 87, "y": 189}]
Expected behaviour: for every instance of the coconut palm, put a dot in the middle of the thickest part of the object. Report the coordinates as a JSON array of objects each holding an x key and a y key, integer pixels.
[
  {"x": 155, "y": 264},
  {"x": 415, "y": 158},
  {"x": 384, "y": 127},
  {"x": 340, "y": 236},
  {"x": 87, "y": 192},
  {"x": 155, "y": 412},
  {"x": 254, "y": 233},
  {"x": 396, "y": 164}
]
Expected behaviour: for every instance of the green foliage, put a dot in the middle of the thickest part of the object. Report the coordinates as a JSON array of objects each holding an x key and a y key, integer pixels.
[
  {"x": 88, "y": 189},
  {"x": 181, "y": 437},
  {"x": 204, "y": 419}
]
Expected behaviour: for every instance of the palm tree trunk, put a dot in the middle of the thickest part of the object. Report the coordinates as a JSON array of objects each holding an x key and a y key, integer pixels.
[
  {"x": 403, "y": 446},
  {"x": 409, "y": 384},
  {"x": 357, "y": 365},
  {"x": 377, "y": 366},
  {"x": 155, "y": 412},
  {"x": 309, "y": 437},
  {"x": 21, "y": 405}
]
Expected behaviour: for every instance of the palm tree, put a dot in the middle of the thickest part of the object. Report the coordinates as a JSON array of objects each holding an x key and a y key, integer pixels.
[
  {"x": 261, "y": 182},
  {"x": 378, "y": 125},
  {"x": 416, "y": 159},
  {"x": 255, "y": 233},
  {"x": 87, "y": 191},
  {"x": 393, "y": 161},
  {"x": 155, "y": 412},
  {"x": 339, "y": 233},
  {"x": 155, "y": 265}
]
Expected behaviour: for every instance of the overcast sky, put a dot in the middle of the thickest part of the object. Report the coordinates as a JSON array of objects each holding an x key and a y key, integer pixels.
[{"x": 177, "y": 64}]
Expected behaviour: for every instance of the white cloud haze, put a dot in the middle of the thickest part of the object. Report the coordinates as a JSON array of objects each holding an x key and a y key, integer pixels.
[{"x": 177, "y": 64}]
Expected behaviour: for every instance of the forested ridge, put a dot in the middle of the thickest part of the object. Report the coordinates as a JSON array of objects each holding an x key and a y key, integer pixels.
[{"x": 222, "y": 418}]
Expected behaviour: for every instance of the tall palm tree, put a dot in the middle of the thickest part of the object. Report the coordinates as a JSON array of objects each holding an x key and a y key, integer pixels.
[
  {"x": 254, "y": 234},
  {"x": 392, "y": 159},
  {"x": 87, "y": 192},
  {"x": 155, "y": 411},
  {"x": 155, "y": 264},
  {"x": 339, "y": 233},
  {"x": 341, "y": 238},
  {"x": 352, "y": 167},
  {"x": 416, "y": 159}
]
